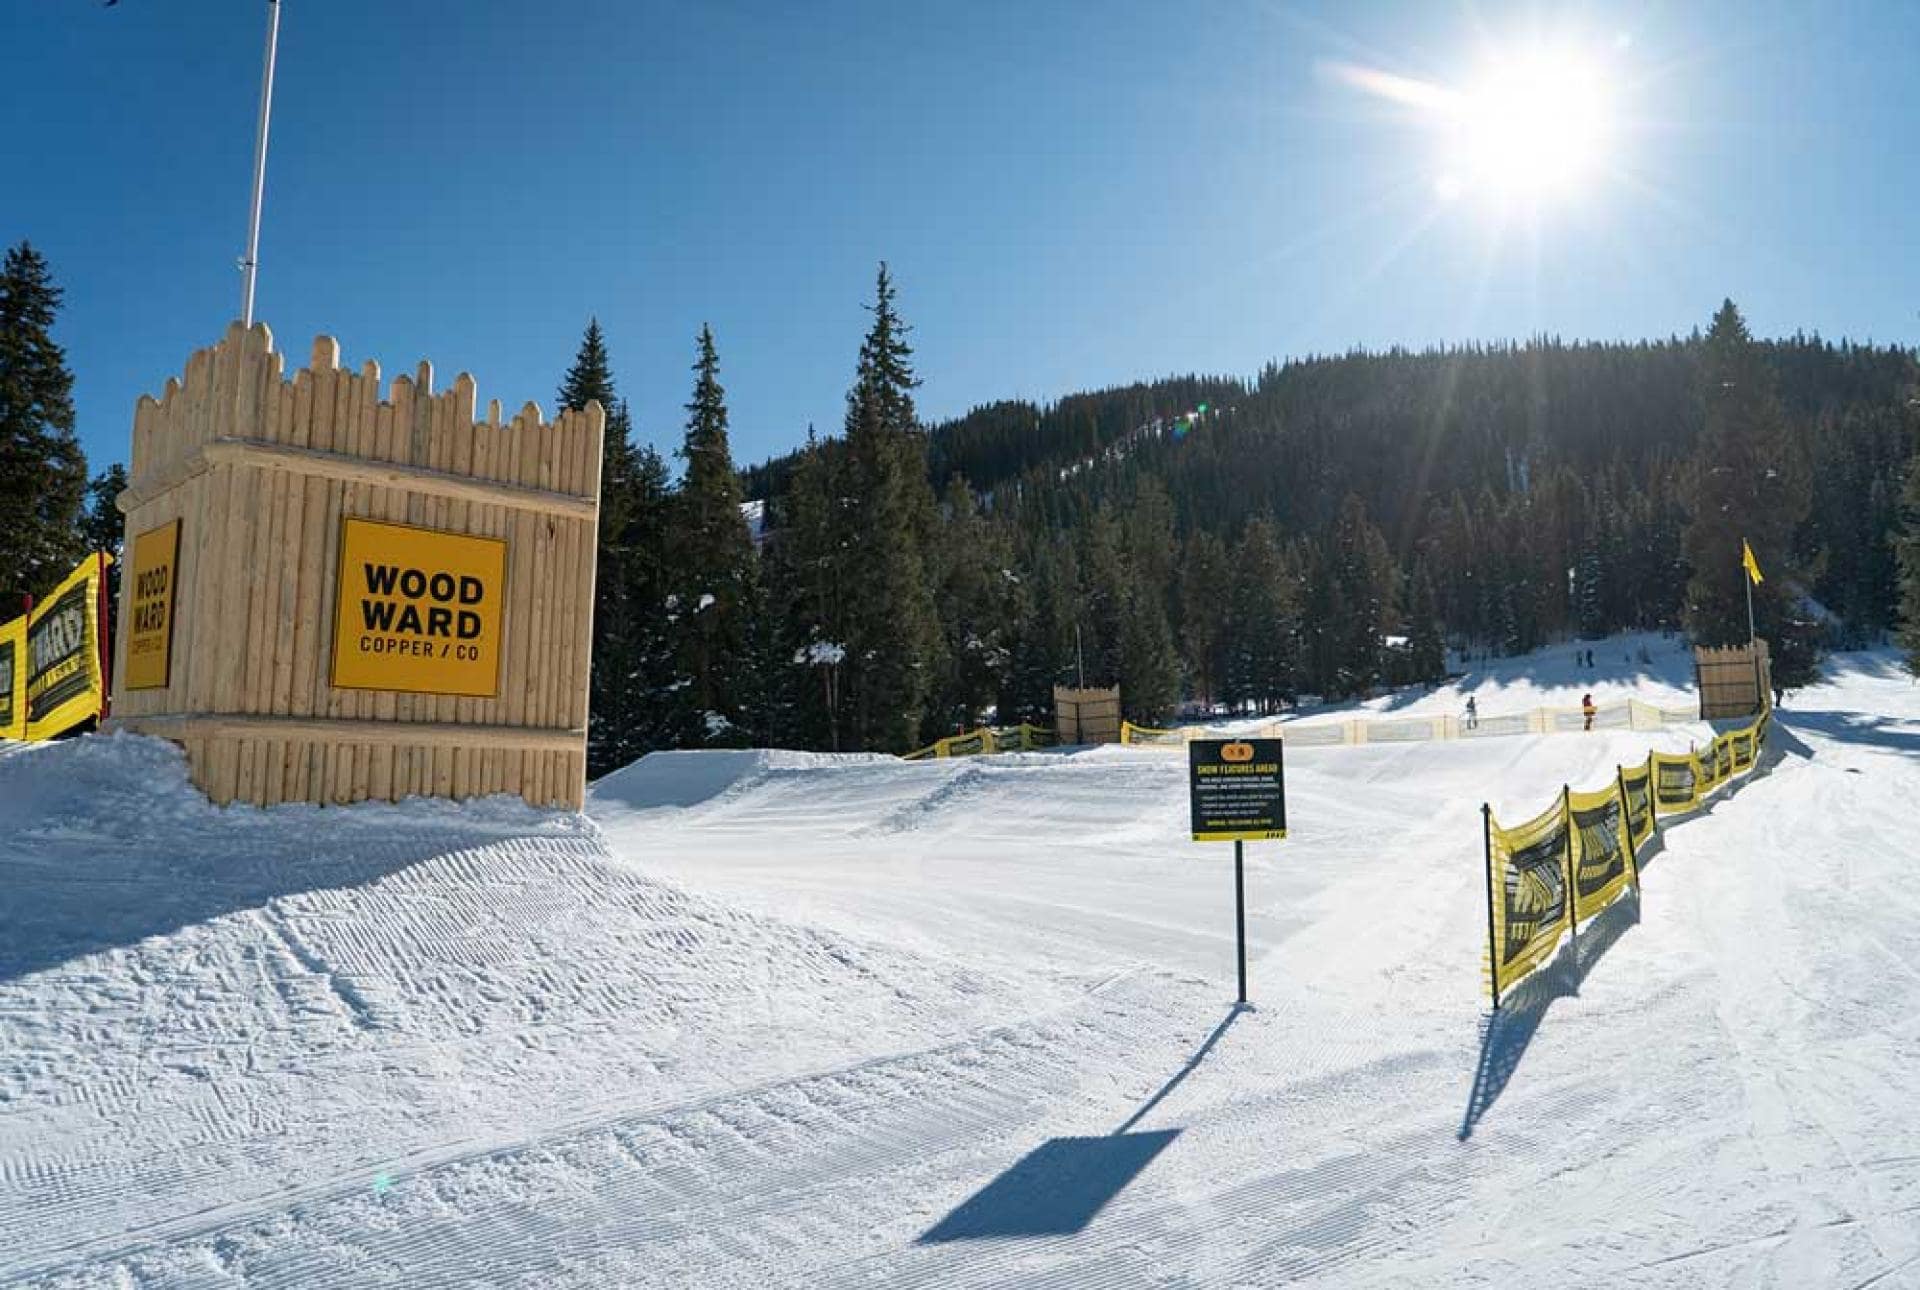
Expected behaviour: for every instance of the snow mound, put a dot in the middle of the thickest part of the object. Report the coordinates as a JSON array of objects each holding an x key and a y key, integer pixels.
[{"x": 207, "y": 1015}]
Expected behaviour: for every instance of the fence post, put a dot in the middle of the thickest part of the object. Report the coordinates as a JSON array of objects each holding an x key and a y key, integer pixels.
[
  {"x": 1653, "y": 800},
  {"x": 1573, "y": 890},
  {"x": 1626, "y": 823},
  {"x": 1493, "y": 953}
]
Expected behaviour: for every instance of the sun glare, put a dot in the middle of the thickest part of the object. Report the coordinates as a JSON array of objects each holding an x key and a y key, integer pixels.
[
  {"x": 1534, "y": 124},
  {"x": 1529, "y": 128}
]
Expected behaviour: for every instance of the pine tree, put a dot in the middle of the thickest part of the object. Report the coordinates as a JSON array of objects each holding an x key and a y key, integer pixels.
[
  {"x": 893, "y": 635},
  {"x": 1426, "y": 645},
  {"x": 632, "y": 658},
  {"x": 43, "y": 476},
  {"x": 1206, "y": 589},
  {"x": 713, "y": 568},
  {"x": 1263, "y": 625},
  {"x": 1588, "y": 592},
  {"x": 805, "y": 571},
  {"x": 1907, "y": 546},
  {"x": 1352, "y": 604},
  {"x": 975, "y": 606},
  {"x": 1749, "y": 480},
  {"x": 102, "y": 529}
]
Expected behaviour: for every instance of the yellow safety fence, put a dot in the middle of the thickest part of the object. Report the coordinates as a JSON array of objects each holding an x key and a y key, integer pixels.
[
  {"x": 1631, "y": 715},
  {"x": 53, "y": 671},
  {"x": 1020, "y": 738},
  {"x": 1571, "y": 861}
]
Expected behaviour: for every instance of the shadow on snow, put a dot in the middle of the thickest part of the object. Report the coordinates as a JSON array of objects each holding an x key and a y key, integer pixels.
[{"x": 1057, "y": 1188}]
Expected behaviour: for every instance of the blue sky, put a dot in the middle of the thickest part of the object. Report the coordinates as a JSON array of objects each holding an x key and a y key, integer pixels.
[{"x": 1071, "y": 195}]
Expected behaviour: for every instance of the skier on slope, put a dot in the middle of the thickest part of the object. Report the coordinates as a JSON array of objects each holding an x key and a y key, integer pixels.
[
  {"x": 1587, "y": 709},
  {"x": 1473, "y": 714}
]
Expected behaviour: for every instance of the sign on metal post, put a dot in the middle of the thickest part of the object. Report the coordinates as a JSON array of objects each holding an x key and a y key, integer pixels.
[{"x": 1237, "y": 792}]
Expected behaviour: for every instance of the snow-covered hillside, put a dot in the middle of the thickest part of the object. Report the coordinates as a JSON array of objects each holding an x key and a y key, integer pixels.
[{"x": 787, "y": 1019}]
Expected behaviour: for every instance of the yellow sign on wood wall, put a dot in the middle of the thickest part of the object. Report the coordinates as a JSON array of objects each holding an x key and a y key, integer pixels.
[
  {"x": 156, "y": 562},
  {"x": 418, "y": 610}
]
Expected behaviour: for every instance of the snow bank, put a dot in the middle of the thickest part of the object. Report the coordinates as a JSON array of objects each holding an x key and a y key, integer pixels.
[
  {"x": 770, "y": 1019},
  {"x": 208, "y": 1017}
]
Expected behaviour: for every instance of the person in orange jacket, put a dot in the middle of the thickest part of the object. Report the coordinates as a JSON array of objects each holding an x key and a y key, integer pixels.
[{"x": 1587, "y": 708}]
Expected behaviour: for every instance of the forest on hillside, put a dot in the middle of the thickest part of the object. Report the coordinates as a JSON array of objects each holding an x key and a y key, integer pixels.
[{"x": 1331, "y": 526}]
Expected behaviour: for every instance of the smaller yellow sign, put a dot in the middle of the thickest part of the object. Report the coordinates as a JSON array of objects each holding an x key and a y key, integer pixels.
[
  {"x": 418, "y": 610},
  {"x": 156, "y": 563}
]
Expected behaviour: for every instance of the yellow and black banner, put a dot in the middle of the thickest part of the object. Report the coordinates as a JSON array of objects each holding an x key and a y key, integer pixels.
[
  {"x": 13, "y": 680},
  {"x": 1676, "y": 782},
  {"x": 1601, "y": 861},
  {"x": 1590, "y": 842},
  {"x": 65, "y": 680},
  {"x": 1527, "y": 890},
  {"x": 1636, "y": 786}
]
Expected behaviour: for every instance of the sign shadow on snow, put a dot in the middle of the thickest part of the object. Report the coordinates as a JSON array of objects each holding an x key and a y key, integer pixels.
[
  {"x": 1057, "y": 1188},
  {"x": 1505, "y": 1034}
]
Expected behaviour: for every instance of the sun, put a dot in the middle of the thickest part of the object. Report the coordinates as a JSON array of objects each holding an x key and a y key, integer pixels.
[
  {"x": 1529, "y": 127},
  {"x": 1533, "y": 123}
]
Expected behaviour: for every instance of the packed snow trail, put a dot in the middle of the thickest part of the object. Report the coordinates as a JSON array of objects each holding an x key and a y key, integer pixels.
[{"x": 780, "y": 1019}]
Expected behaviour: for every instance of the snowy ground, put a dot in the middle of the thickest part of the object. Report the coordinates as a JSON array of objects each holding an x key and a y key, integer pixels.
[{"x": 778, "y": 1019}]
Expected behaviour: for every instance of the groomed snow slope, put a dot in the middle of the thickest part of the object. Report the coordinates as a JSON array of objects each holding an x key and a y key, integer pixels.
[{"x": 778, "y": 1019}]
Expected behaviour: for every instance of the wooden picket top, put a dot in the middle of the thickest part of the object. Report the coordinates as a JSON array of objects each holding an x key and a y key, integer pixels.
[{"x": 262, "y": 471}]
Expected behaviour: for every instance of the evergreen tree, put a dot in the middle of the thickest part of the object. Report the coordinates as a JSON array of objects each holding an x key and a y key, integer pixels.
[
  {"x": 975, "y": 606},
  {"x": 1589, "y": 592},
  {"x": 1351, "y": 609},
  {"x": 628, "y": 703},
  {"x": 1206, "y": 589},
  {"x": 43, "y": 476},
  {"x": 713, "y": 568},
  {"x": 101, "y": 525},
  {"x": 102, "y": 528},
  {"x": 1749, "y": 481},
  {"x": 1263, "y": 625},
  {"x": 806, "y": 566},
  {"x": 893, "y": 641},
  {"x": 1426, "y": 645},
  {"x": 1907, "y": 549},
  {"x": 1149, "y": 675}
]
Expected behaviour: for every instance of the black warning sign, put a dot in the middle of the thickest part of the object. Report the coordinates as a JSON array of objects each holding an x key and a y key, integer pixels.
[{"x": 1237, "y": 790}]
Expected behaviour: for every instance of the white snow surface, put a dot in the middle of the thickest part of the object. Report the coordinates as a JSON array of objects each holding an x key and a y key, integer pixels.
[{"x": 788, "y": 1019}]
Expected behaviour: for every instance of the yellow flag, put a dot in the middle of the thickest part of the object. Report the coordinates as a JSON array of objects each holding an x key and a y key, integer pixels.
[{"x": 1753, "y": 565}]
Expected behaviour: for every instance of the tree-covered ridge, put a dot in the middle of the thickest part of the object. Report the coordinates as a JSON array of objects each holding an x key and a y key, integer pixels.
[{"x": 1327, "y": 526}]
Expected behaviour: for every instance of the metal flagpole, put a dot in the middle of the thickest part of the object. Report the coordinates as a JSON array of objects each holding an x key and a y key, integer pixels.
[
  {"x": 1746, "y": 580},
  {"x": 251, "y": 264}
]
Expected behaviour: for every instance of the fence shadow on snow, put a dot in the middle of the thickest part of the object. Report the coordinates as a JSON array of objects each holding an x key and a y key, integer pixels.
[
  {"x": 1875, "y": 732},
  {"x": 1506, "y": 1034}
]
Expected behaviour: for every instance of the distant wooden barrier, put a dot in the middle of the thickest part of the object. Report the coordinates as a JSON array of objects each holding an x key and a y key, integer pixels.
[
  {"x": 448, "y": 657},
  {"x": 1088, "y": 716},
  {"x": 1735, "y": 681}
]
